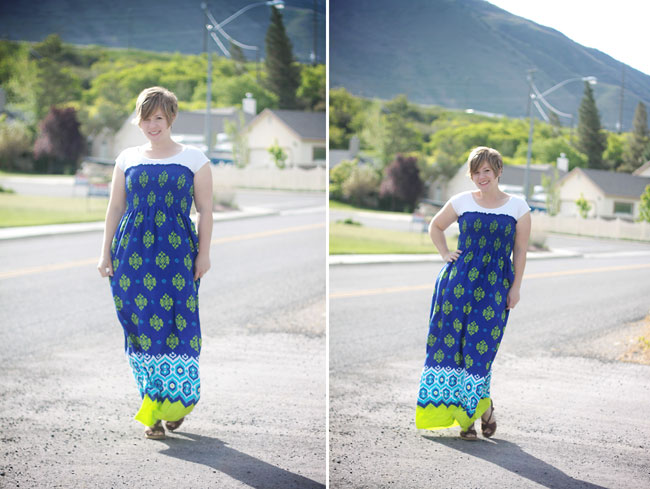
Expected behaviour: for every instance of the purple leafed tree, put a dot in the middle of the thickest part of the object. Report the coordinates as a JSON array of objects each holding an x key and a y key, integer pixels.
[
  {"x": 59, "y": 143},
  {"x": 402, "y": 185}
]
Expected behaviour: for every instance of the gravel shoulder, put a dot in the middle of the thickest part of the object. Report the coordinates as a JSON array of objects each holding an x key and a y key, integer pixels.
[
  {"x": 570, "y": 414},
  {"x": 67, "y": 417},
  {"x": 551, "y": 432}
]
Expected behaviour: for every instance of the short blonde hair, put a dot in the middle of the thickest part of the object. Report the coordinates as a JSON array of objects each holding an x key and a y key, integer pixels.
[
  {"x": 152, "y": 99},
  {"x": 483, "y": 154}
]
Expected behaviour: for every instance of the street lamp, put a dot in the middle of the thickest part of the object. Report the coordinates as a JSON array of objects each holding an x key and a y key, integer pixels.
[
  {"x": 279, "y": 4},
  {"x": 534, "y": 97},
  {"x": 218, "y": 26}
]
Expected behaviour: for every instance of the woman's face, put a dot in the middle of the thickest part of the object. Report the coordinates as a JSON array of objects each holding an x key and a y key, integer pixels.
[
  {"x": 485, "y": 178},
  {"x": 155, "y": 127}
]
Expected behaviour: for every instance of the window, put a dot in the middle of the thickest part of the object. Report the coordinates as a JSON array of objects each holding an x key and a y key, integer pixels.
[
  {"x": 623, "y": 208},
  {"x": 318, "y": 153}
]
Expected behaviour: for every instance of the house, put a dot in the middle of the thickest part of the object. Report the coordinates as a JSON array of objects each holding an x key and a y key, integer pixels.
[
  {"x": 188, "y": 128},
  {"x": 300, "y": 134},
  {"x": 610, "y": 194}
]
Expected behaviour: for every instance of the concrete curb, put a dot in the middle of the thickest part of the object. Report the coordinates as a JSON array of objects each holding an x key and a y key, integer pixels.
[
  {"x": 421, "y": 258},
  {"x": 85, "y": 227}
]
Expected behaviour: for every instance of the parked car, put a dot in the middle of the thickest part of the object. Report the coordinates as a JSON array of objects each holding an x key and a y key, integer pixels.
[
  {"x": 96, "y": 174},
  {"x": 424, "y": 211}
]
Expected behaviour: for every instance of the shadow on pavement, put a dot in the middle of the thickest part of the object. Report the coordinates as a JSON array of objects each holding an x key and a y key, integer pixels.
[
  {"x": 249, "y": 470},
  {"x": 510, "y": 456}
]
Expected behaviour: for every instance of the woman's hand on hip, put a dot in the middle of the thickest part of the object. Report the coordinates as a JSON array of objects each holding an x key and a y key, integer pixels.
[{"x": 451, "y": 255}]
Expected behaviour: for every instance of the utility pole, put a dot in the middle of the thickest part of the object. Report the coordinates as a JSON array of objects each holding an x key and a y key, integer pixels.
[
  {"x": 530, "y": 133},
  {"x": 207, "y": 29},
  {"x": 204, "y": 7},
  {"x": 315, "y": 28},
  {"x": 620, "y": 106}
]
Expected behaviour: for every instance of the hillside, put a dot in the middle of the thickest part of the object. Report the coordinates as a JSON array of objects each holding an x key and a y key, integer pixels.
[
  {"x": 158, "y": 25},
  {"x": 468, "y": 54}
]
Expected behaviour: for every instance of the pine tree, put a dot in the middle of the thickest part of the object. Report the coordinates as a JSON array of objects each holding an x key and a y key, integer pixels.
[
  {"x": 283, "y": 74},
  {"x": 592, "y": 141},
  {"x": 637, "y": 151}
]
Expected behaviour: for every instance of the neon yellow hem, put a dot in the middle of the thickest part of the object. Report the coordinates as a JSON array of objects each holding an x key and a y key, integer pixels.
[
  {"x": 151, "y": 411},
  {"x": 440, "y": 417}
]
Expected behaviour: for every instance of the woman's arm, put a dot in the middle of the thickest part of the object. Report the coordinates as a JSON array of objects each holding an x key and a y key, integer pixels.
[
  {"x": 522, "y": 234},
  {"x": 203, "y": 203},
  {"x": 441, "y": 221},
  {"x": 114, "y": 212}
]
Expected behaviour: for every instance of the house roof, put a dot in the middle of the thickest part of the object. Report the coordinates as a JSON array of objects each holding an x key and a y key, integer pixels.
[
  {"x": 643, "y": 170},
  {"x": 514, "y": 174},
  {"x": 194, "y": 122},
  {"x": 336, "y": 156},
  {"x": 308, "y": 125},
  {"x": 615, "y": 183}
]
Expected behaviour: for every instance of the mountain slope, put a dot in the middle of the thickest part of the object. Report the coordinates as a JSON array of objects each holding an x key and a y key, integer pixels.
[
  {"x": 468, "y": 54},
  {"x": 158, "y": 25}
]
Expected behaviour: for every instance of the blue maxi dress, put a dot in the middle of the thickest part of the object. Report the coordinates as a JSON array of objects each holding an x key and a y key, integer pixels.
[
  {"x": 156, "y": 297},
  {"x": 468, "y": 316}
]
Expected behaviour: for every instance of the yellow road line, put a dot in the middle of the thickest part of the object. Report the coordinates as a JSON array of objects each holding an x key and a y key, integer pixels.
[
  {"x": 49, "y": 268},
  {"x": 90, "y": 261},
  {"x": 410, "y": 288},
  {"x": 385, "y": 290}
]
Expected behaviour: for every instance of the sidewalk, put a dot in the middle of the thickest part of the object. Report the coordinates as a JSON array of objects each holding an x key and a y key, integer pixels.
[
  {"x": 84, "y": 227},
  {"x": 434, "y": 257}
]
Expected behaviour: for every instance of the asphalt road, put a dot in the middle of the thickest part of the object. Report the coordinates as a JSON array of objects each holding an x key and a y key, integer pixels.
[
  {"x": 67, "y": 396},
  {"x": 569, "y": 415}
]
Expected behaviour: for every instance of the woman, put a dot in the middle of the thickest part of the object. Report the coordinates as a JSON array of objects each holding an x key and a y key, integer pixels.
[
  {"x": 155, "y": 260},
  {"x": 474, "y": 293}
]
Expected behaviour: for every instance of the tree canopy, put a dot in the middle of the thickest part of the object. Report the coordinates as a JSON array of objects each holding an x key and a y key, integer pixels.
[{"x": 102, "y": 84}]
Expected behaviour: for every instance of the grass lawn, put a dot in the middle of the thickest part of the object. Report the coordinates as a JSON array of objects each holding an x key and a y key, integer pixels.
[
  {"x": 34, "y": 210},
  {"x": 4, "y": 173},
  {"x": 340, "y": 206},
  {"x": 350, "y": 239}
]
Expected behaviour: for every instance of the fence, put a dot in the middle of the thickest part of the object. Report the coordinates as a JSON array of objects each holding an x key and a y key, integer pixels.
[
  {"x": 270, "y": 177},
  {"x": 599, "y": 228}
]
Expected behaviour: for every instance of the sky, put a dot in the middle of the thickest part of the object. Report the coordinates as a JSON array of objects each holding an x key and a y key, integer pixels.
[{"x": 617, "y": 28}]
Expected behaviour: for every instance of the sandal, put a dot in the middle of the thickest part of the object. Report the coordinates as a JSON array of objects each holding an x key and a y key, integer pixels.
[
  {"x": 155, "y": 432},
  {"x": 174, "y": 425},
  {"x": 469, "y": 434},
  {"x": 489, "y": 425}
]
